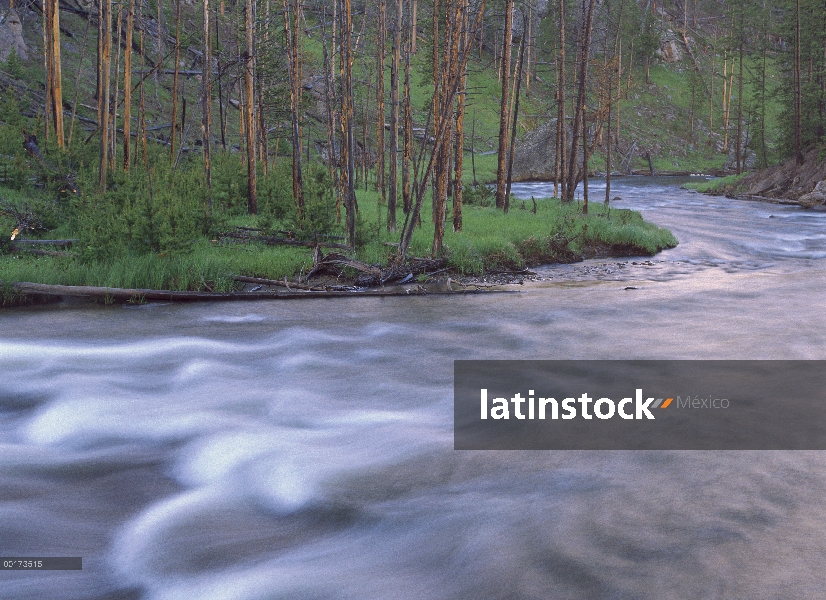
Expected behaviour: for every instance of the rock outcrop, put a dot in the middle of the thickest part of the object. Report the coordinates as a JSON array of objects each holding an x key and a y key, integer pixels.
[
  {"x": 535, "y": 154},
  {"x": 804, "y": 183},
  {"x": 11, "y": 36}
]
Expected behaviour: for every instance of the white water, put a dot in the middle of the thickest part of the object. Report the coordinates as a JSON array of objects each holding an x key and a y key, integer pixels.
[{"x": 304, "y": 450}]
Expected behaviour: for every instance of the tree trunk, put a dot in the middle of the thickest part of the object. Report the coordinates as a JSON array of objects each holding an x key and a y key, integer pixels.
[
  {"x": 56, "y": 77},
  {"x": 408, "y": 129},
  {"x": 562, "y": 131},
  {"x": 460, "y": 123},
  {"x": 347, "y": 120},
  {"x": 451, "y": 88},
  {"x": 394, "y": 120},
  {"x": 206, "y": 102},
  {"x": 798, "y": 92},
  {"x": 739, "y": 112},
  {"x": 127, "y": 86},
  {"x": 515, "y": 120},
  {"x": 249, "y": 121},
  {"x": 175, "y": 78},
  {"x": 503, "y": 108},
  {"x": 579, "y": 118},
  {"x": 381, "y": 44},
  {"x": 291, "y": 42},
  {"x": 106, "y": 52}
]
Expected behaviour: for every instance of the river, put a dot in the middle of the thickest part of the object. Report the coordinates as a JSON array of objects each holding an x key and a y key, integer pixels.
[{"x": 275, "y": 450}]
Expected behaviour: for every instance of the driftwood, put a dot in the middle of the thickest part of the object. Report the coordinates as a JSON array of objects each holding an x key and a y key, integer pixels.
[
  {"x": 375, "y": 275},
  {"x": 142, "y": 295},
  {"x": 290, "y": 285},
  {"x": 272, "y": 241}
]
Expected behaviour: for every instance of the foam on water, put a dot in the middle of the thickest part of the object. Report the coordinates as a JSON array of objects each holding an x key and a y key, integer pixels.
[{"x": 275, "y": 450}]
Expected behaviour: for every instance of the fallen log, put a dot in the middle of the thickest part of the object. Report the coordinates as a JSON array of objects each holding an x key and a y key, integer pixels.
[
  {"x": 290, "y": 285},
  {"x": 339, "y": 260},
  {"x": 141, "y": 295}
]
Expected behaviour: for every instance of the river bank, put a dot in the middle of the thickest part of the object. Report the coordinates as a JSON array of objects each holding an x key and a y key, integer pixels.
[{"x": 490, "y": 244}]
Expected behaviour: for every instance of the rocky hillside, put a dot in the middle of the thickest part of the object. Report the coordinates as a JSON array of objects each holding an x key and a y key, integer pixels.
[{"x": 803, "y": 184}]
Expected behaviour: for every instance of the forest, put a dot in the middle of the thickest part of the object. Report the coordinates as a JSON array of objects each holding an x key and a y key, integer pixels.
[{"x": 174, "y": 142}]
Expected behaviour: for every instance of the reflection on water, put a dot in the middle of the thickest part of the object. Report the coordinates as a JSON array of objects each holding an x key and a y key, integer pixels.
[{"x": 304, "y": 450}]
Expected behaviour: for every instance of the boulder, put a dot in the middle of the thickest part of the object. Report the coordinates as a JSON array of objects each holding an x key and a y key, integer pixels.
[
  {"x": 535, "y": 154},
  {"x": 11, "y": 36},
  {"x": 816, "y": 197}
]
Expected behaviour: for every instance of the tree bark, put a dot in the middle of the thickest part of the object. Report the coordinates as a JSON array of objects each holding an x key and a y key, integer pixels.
[
  {"x": 56, "y": 76},
  {"x": 394, "y": 119},
  {"x": 515, "y": 120},
  {"x": 249, "y": 120},
  {"x": 381, "y": 44},
  {"x": 106, "y": 52},
  {"x": 175, "y": 78},
  {"x": 460, "y": 123},
  {"x": 503, "y": 108},
  {"x": 579, "y": 118},
  {"x": 562, "y": 131},
  {"x": 291, "y": 41},
  {"x": 206, "y": 102}
]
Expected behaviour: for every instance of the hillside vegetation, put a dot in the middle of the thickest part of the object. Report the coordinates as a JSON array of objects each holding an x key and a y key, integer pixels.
[{"x": 299, "y": 150}]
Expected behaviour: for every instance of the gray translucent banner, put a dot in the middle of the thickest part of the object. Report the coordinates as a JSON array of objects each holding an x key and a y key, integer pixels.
[
  {"x": 639, "y": 405},
  {"x": 41, "y": 563}
]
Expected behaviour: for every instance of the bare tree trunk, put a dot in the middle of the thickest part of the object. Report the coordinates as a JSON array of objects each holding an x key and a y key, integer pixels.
[
  {"x": 562, "y": 131},
  {"x": 460, "y": 121},
  {"x": 739, "y": 112},
  {"x": 291, "y": 41},
  {"x": 515, "y": 121},
  {"x": 449, "y": 75},
  {"x": 413, "y": 26},
  {"x": 347, "y": 120},
  {"x": 711, "y": 93},
  {"x": 249, "y": 120},
  {"x": 528, "y": 50},
  {"x": 175, "y": 77},
  {"x": 56, "y": 77},
  {"x": 206, "y": 102},
  {"x": 579, "y": 117},
  {"x": 332, "y": 155},
  {"x": 798, "y": 90},
  {"x": 584, "y": 164},
  {"x": 408, "y": 131},
  {"x": 47, "y": 68},
  {"x": 503, "y": 115},
  {"x": 381, "y": 44},
  {"x": 394, "y": 119},
  {"x": 106, "y": 52},
  {"x": 440, "y": 139},
  {"x": 264, "y": 150}
]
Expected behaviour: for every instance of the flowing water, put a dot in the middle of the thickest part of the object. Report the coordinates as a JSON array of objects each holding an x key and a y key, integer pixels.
[{"x": 275, "y": 450}]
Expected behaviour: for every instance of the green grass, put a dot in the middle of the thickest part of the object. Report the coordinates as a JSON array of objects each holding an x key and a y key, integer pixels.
[
  {"x": 490, "y": 241},
  {"x": 714, "y": 185}
]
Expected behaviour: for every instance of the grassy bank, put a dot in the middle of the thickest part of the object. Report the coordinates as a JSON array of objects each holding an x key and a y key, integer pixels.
[
  {"x": 123, "y": 244},
  {"x": 716, "y": 185}
]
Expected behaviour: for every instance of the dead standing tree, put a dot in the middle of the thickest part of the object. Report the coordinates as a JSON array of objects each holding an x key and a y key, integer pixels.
[
  {"x": 291, "y": 42},
  {"x": 445, "y": 108},
  {"x": 504, "y": 106},
  {"x": 249, "y": 100},
  {"x": 579, "y": 115}
]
